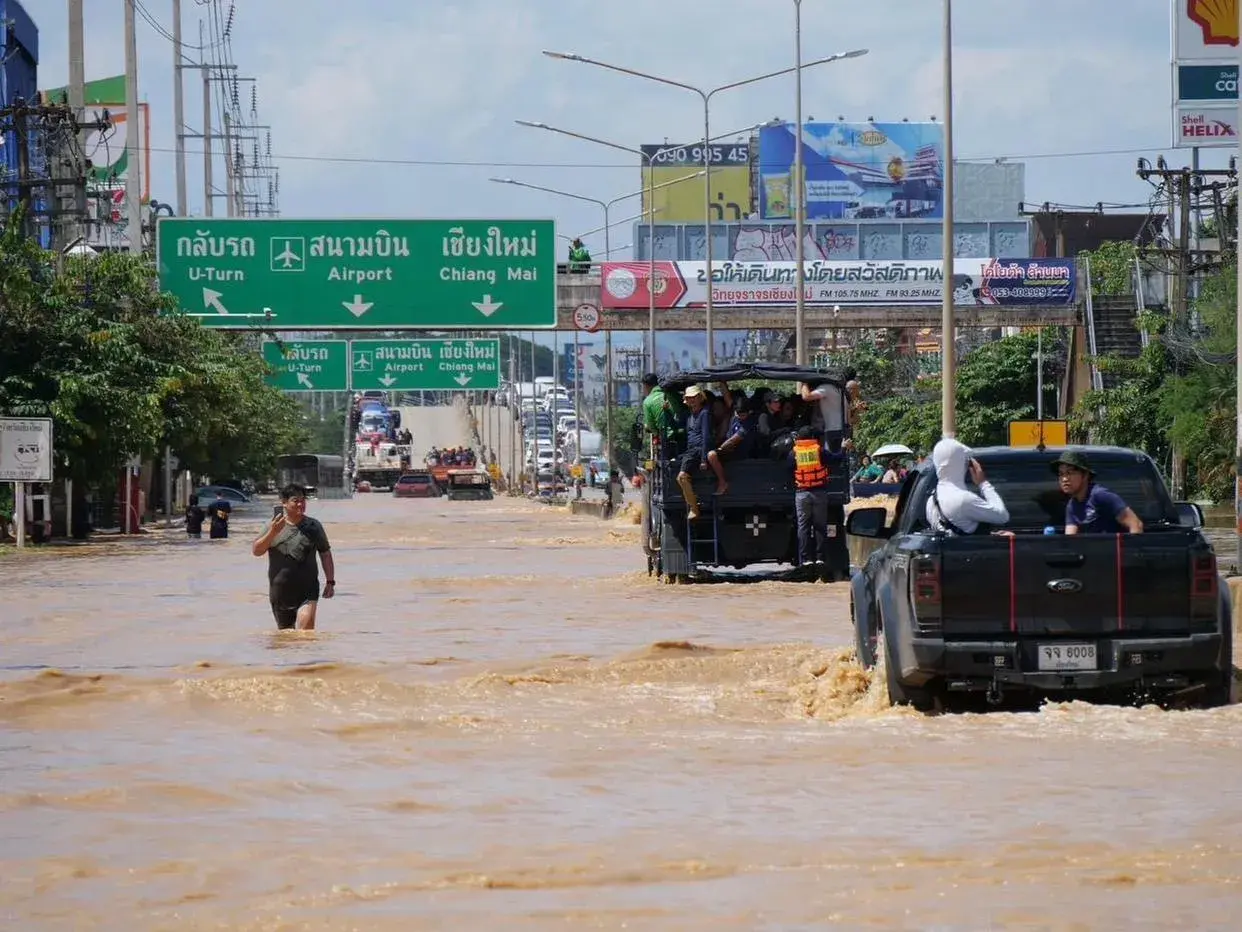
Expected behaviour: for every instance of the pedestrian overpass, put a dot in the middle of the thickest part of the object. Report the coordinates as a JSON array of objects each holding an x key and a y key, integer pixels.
[{"x": 578, "y": 289}]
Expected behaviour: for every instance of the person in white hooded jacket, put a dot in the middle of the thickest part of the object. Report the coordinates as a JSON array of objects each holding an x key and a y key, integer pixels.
[{"x": 953, "y": 508}]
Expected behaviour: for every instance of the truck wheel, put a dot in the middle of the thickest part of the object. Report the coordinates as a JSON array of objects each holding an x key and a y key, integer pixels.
[
  {"x": 918, "y": 697},
  {"x": 864, "y": 646}
]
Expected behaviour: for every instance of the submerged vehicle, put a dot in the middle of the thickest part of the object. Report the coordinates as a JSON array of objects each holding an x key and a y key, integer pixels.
[
  {"x": 468, "y": 485},
  {"x": 755, "y": 522},
  {"x": 1037, "y": 613}
]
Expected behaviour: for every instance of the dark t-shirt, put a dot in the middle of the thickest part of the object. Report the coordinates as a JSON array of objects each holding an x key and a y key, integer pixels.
[
  {"x": 219, "y": 512},
  {"x": 699, "y": 433},
  {"x": 291, "y": 563},
  {"x": 1097, "y": 513},
  {"x": 194, "y": 516}
]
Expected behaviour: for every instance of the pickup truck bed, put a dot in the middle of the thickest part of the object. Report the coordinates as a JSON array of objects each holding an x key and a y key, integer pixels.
[{"x": 1137, "y": 615}]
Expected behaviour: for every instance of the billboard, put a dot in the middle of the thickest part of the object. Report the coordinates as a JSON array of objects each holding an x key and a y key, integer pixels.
[
  {"x": 106, "y": 149},
  {"x": 976, "y": 282},
  {"x": 1205, "y": 73},
  {"x": 854, "y": 171},
  {"x": 685, "y": 201}
]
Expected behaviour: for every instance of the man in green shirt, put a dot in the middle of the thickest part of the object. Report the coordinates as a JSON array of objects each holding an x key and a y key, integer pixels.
[
  {"x": 579, "y": 258},
  {"x": 661, "y": 412}
]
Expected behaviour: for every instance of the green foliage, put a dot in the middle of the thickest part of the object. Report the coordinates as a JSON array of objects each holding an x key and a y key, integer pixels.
[
  {"x": 99, "y": 349},
  {"x": 1112, "y": 267},
  {"x": 623, "y": 421},
  {"x": 1161, "y": 401},
  {"x": 996, "y": 384},
  {"x": 1199, "y": 405},
  {"x": 1129, "y": 414}
]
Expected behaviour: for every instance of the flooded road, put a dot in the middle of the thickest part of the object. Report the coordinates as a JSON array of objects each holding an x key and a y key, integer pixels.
[{"x": 503, "y": 724}]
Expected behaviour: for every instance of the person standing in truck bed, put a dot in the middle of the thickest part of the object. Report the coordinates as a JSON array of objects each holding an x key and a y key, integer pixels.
[
  {"x": 953, "y": 508},
  {"x": 1092, "y": 508}
]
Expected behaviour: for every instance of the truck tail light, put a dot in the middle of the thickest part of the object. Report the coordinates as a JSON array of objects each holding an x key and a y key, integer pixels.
[
  {"x": 925, "y": 580},
  {"x": 1204, "y": 584}
]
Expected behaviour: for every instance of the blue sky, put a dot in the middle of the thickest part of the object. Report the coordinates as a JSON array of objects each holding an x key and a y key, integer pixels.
[{"x": 441, "y": 82}]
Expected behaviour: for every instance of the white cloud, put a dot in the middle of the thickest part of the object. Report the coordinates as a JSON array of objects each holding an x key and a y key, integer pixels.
[{"x": 438, "y": 80}]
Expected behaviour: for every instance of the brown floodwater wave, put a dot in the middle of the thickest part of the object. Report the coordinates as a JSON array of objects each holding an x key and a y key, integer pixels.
[{"x": 503, "y": 722}]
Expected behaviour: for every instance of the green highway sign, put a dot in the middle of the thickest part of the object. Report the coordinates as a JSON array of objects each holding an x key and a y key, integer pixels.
[
  {"x": 424, "y": 365},
  {"x": 308, "y": 365},
  {"x": 360, "y": 274}
]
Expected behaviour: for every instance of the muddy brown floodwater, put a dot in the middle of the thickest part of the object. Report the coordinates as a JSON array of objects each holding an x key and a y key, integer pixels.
[{"x": 503, "y": 724}]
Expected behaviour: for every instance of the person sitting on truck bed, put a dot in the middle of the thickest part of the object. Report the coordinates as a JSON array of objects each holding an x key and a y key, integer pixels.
[
  {"x": 699, "y": 442},
  {"x": 1091, "y": 509},
  {"x": 741, "y": 442},
  {"x": 954, "y": 509}
]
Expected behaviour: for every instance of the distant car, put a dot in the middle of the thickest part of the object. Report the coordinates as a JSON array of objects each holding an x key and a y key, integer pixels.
[
  {"x": 235, "y": 497},
  {"x": 418, "y": 484}
]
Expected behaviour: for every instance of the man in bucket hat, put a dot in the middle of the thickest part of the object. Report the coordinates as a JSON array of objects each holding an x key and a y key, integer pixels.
[
  {"x": 1091, "y": 509},
  {"x": 699, "y": 443}
]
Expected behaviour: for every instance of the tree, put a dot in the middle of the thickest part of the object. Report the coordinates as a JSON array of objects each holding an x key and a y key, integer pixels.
[
  {"x": 121, "y": 372},
  {"x": 996, "y": 384},
  {"x": 1199, "y": 405}
]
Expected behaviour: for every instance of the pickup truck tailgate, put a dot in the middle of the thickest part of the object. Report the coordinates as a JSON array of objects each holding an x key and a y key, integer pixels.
[{"x": 1066, "y": 586}]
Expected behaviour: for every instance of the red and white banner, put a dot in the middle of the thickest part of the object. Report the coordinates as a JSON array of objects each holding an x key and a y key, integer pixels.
[{"x": 976, "y": 282}]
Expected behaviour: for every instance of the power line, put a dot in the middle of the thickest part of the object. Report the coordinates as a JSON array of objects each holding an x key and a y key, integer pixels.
[{"x": 473, "y": 163}]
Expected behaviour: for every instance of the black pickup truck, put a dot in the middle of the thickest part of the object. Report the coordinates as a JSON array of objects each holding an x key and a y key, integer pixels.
[{"x": 1139, "y": 617}]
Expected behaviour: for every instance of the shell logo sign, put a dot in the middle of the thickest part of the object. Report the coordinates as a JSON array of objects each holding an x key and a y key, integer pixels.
[{"x": 1217, "y": 18}]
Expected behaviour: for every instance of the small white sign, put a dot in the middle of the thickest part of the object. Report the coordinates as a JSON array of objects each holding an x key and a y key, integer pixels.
[
  {"x": 586, "y": 317},
  {"x": 25, "y": 449},
  {"x": 1205, "y": 127}
]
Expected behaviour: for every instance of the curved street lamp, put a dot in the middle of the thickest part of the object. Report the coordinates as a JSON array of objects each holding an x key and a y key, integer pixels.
[{"x": 706, "y": 96}]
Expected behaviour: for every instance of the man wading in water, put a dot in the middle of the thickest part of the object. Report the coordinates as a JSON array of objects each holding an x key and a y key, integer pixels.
[{"x": 291, "y": 542}]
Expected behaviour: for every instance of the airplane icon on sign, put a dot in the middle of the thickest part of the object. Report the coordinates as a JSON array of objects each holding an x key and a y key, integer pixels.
[
  {"x": 363, "y": 362},
  {"x": 292, "y": 257}
]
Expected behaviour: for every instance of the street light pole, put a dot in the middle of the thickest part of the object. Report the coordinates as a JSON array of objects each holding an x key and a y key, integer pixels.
[
  {"x": 605, "y": 206},
  {"x": 649, "y": 159},
  {"x": 706, "y": 96},
  {"x": 799, "y": 189},
  {"x": 948, "y": 364},
  {"x": 1237, "y": 254}
]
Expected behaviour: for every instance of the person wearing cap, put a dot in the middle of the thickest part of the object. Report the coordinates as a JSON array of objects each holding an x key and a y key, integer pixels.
[
  {"x": 1092, "y": 508},
  {"x": 698, "y": 445}
]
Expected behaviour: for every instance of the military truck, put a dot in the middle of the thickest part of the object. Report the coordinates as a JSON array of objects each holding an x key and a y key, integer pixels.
[{"x": 755, "y": 522}]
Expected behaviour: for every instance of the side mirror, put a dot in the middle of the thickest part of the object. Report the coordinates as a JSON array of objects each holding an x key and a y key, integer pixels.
[
  {"x": 868, "y": 522},
  {"x": 1189, "y": 514}
]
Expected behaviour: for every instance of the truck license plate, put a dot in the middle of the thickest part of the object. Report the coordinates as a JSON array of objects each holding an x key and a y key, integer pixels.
[{"x": 1061, "y": 657}]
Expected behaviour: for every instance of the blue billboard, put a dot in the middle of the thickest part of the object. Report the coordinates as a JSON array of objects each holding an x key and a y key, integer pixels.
[
  {"x": 19, "y": 59},
  {"x": 854, "y": 171}
]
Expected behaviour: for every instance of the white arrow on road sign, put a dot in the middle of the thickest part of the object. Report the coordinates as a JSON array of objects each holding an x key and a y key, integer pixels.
[
  {"x": 211, "y": 299},
  {"x": 386, "y": 380},
  {"x": 462, "y": 379},
  {"x": 304, "y": 379},
  {"x": 486, "y": 307},
  {"x": 358, "y": 307}
]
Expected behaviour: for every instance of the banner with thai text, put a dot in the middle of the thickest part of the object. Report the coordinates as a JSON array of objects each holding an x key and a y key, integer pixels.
[{"x": 976, "y": 283}]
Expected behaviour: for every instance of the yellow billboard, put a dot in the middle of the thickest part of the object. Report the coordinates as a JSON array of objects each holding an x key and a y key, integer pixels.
[
  {"x": 1038, "y": 433},
  {"x": 682, "y": 199}
]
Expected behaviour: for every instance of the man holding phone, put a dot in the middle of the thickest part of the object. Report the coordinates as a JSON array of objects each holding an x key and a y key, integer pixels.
[{"x": 291, "y": 543}]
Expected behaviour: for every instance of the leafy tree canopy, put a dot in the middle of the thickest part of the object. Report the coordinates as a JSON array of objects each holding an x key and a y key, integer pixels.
[{"x": 98, "y": 348}]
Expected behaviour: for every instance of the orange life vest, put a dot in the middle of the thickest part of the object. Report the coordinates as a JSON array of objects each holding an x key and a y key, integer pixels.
[{"x": 809, "y": 469}]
